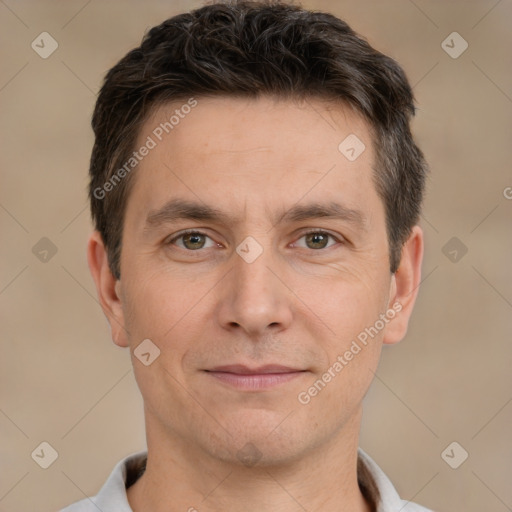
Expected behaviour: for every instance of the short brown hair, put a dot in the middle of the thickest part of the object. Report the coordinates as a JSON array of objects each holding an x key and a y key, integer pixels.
[{"x": 249, "y": 49}]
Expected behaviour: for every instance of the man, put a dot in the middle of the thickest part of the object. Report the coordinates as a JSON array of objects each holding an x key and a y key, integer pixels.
[{"x": 255, "y": 189}]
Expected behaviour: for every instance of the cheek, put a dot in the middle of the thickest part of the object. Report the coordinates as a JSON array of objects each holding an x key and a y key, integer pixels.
[
  {"x": 158, "y": 310},
  {"x": 153, "y": 305},
  {"x": 172, "y": 312},
  {"x": 352, "y": 343},
  {"x": 350, "y": 312},
  {"x": 345, "y": 303}
]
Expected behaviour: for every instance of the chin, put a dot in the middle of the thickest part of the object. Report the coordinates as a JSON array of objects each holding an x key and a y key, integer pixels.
[{"x": 260, "y": 439}]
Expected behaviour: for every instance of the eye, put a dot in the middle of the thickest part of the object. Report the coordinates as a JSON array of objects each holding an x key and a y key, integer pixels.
[
  {"x": 192, "y": 241},
  {"x": 318, "y": 240}
]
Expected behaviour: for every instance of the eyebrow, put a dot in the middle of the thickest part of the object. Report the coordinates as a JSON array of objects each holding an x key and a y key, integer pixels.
[
  {"x": 181, "y": 209},
  {"x": 330, "y": 210},
  {"x": 176, "y": 209}
]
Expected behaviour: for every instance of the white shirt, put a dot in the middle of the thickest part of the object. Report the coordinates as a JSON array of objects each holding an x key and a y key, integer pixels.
[{"x": 112, "y": 496}]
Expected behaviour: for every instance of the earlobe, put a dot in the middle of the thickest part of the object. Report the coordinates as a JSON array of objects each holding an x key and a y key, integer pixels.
[
  {"x": 405, "y": 286},
  {"x": 107, "y": 287}
]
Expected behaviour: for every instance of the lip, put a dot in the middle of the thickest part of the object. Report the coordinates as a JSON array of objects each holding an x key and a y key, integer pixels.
[
  {"x": 254, "y": 379},
  {"x": 240, "y": 369}
]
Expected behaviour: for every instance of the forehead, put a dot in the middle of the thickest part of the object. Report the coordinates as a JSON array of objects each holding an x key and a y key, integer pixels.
[
  {"x": 262, "y": 148},
  {"x": 234, "y": 124}
]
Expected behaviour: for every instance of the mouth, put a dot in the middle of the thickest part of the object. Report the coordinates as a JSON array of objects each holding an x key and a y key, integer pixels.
[{"x": 255, "y": 379}]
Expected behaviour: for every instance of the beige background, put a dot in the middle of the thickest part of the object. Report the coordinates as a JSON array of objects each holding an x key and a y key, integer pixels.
[{"x": 64, "y": 382}]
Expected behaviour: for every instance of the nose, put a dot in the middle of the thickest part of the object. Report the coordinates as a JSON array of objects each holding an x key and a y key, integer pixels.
[{"x": 254, "y": 299}]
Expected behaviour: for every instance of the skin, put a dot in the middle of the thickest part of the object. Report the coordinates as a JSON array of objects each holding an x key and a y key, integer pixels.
[{"x": 300, "y": 304}]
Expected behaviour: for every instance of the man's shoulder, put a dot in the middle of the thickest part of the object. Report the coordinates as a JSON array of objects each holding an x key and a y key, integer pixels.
[
  {"x": 381, "y": 490},
  {"x": 409, "y": 506},
  {"x": 85, "y": 505},
  {"x": 112, "y": 496}
]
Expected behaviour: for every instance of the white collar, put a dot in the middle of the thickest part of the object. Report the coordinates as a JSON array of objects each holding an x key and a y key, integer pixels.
[{"x": 112, "y": 496}]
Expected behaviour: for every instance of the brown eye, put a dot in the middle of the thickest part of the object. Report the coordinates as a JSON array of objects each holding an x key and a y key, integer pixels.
[
  {"x": 193, "y": 241},
  {"x": 317, "y": 240}
]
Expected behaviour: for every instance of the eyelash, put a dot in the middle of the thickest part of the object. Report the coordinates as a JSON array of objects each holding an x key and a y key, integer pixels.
[
  {"x": 186, "y": 232},
  {"x": 320, "y": 232},
  {"x": 309, "y": 232}
]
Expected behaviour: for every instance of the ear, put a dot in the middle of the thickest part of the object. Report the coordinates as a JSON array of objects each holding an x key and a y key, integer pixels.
[
  {"x": 404, "y": 287},
  {"x": 107, "y": 287}
]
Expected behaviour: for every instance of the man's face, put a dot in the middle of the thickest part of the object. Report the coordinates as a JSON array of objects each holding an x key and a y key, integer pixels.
[{"x": 245, "y": 326}]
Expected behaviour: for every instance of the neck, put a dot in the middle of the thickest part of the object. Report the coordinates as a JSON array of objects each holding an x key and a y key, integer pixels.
[{"x": 178, "y": 478}]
